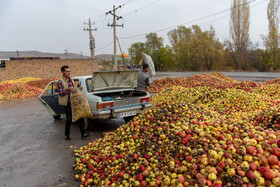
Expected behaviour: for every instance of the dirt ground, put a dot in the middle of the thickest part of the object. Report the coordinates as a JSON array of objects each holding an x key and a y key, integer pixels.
[{"x": 33, "y": 149}]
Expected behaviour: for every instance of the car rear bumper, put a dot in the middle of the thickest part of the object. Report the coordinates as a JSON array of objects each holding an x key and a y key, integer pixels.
[{"x": 115, "y": 111}]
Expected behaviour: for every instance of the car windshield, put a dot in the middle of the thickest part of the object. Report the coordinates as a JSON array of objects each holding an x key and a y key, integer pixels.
[{"x": 88, "y": 82}]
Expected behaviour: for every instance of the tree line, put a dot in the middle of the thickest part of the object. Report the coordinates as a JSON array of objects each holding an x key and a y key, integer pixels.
[{"x": 192, "y": 49}]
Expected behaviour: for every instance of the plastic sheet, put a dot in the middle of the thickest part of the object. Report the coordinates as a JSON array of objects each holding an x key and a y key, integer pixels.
[{"x": 148, "y": 60}]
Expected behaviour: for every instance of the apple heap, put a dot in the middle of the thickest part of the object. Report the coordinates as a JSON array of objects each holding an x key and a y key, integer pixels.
[
  {"x": 13, "y": 91},
  {"x": 234, "y": 102},
  {"x": 1, "y": 97},
  {"x": 274, "y": 81},
  {"x": 196, "y": 136},
  {"x": 21, "y": 80},
  {"x": 22, "y": 88},
  {"x": 271, "y": 90},
  {"x": 41, "y": 84},
  {"x": 213, "y": 80},
  {"x": 248, "y": 86},
  {"x": 268, "y": 120}
]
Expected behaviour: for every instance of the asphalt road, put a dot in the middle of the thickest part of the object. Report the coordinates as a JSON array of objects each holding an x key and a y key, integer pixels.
[{"x": 33, "y": 149}]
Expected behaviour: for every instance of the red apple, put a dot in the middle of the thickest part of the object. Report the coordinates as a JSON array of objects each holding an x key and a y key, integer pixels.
[
  {"x": 253, "y": 166},
  {"x": 278, "y": 142},
  {"x": 143, "y": 183},
  {"x": 141, "y": 168},
  {"x": 269, "y": 175},
  {"x": 250, "y": 174},
  {"x": 139, "y": 177},
  {"x": 272, "y": 160},
  {"x": 250, "y": 150},
  {"x": 276, "y": 151},
  {"x": 220, "y": 137},
  {"x": 222, "y": 165},
  {"x": 217, "y": 185}
]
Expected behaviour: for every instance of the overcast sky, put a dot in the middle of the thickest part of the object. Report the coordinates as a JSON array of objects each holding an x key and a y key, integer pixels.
[{"x": 56, "y": 25}]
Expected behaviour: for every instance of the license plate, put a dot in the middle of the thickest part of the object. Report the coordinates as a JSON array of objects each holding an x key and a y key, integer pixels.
[{"x": 126, "y": 114}]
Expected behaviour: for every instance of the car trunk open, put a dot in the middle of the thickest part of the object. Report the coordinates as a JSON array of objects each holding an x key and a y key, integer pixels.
[
  {"x": 116, "y": 89},
  {"x": 107, "y": 80}
]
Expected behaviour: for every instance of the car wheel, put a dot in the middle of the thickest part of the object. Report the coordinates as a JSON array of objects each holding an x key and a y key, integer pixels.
[
  {"x": 57, "y": 117},
  {"x": 127, "y": 119}
]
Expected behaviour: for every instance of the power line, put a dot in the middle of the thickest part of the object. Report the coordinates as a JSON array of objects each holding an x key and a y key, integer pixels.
[
  {"x": 124, "y": 5},
  {"x": 136, "y": 10},
  {"x": 211, "y": 15},
  {"x": 127, "y": 2},
  {"x": 75, "y": 36},
  {"x": 104, "y": 46},
  {"x": 210, "y": 22},
  {"x": 226, "y": 16},
  {"x": 101, "y": 17},
  {"x": 118, "y": 17}
]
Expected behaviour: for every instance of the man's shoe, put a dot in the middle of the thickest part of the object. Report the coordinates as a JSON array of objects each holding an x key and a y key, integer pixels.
[
  {"x": 67, "y": 138},
  {"x": 85, "y": 135}
]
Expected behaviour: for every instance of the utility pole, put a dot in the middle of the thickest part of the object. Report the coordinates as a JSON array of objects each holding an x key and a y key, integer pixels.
[
  {"x": 114, "y": 25},
  {"x": 91, "y": 39}
]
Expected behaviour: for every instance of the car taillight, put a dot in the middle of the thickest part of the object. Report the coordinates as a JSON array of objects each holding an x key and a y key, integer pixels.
[
  {"x": 105, "y": 105},
  {"x": 144, "y": 100}
]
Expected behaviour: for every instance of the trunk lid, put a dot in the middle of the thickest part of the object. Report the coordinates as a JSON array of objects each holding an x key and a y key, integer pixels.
[{"x": 105, "y": 80}]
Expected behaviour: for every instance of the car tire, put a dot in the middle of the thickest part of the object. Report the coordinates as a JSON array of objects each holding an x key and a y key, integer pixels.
[
  {"x": 127, "y": 119},
  {"x": 57, "y": 117}
]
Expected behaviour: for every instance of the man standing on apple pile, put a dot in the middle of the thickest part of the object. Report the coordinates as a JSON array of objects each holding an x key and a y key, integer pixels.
[{"x": 65, "y": 87}]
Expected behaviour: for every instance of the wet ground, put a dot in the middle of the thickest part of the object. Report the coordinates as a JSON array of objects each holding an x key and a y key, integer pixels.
[{"x": 33, "y": 151}]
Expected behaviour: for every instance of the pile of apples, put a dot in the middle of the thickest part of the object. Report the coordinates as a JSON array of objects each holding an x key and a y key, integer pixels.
[
  {"x": 22, "y": 88},
  {"x": 192, "y": 136},
  {"x": 274, "y": 81},
  {"x": 21, "y": 80},
  {"x": 1, "y": 97},
  {"x": 213, "y": 80},
  {"x": 11, "y": 91},
  {"x": 41, "y": 84}
]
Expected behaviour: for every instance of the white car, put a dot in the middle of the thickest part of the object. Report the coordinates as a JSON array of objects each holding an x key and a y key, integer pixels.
[{"x": 110, "y": 94}]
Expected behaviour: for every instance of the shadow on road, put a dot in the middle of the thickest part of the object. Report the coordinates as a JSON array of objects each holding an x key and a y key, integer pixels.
[{"x": 104, "y": 125}]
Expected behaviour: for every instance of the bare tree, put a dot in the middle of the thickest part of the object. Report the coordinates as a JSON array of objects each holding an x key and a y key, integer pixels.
[
  {"x": 239, "y": 31},
  {"x": 271, "y": 41}
]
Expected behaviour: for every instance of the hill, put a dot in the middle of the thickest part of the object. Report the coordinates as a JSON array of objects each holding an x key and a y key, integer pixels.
[{"x": 8, "y": 54}]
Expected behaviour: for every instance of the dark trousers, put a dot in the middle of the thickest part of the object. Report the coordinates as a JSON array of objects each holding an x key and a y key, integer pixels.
[{"x": 81, "y": 121}]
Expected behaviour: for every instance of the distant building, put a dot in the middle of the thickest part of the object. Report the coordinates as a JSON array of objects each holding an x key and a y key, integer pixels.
[{"x": 33, "y": 58}]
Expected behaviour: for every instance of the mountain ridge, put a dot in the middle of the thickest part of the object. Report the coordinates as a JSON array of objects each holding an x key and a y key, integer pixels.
[{"x": 35, "y": 53}]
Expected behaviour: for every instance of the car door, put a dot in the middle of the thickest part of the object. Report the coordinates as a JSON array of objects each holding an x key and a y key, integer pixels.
[{"x": 49, "y": 99}]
